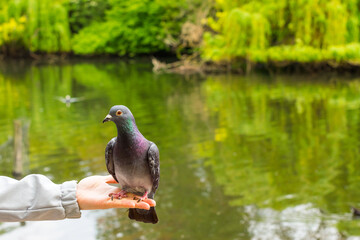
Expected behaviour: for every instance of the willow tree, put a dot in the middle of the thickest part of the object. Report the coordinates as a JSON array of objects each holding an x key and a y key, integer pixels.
[
  {"x": 37, "y": 25},
  {"x": 297, "y": 30},
  {"x": 48, "y": 28}
]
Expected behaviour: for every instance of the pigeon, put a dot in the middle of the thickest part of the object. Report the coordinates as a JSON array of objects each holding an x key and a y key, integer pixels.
[{"x": 133, "y": 161}]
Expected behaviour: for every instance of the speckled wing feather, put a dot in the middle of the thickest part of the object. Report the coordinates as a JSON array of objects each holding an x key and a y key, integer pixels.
[
  {"x": 109, "y": 157},
  {"x": 154, "y": 164}
]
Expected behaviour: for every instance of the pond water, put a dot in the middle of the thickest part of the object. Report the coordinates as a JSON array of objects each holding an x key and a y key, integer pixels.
[{"x": 242, "y": 157}]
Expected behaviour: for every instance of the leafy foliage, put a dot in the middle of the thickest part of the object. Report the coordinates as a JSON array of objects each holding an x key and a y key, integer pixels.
[
  {"x": 48, "y": 27},
  {"x": 84, "y": 12},
  {"x": 258, "y": 30},
  {"x": 139, "y": 26},
  {"x": 12, "y": 26},
  {"x": 299, "y": 30},
  {"x": 11, "y": 34},
  {"x": 38, "y": 25}
]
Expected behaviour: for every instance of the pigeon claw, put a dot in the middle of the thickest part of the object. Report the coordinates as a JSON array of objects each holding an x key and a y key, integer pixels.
[
  {"x": 118, "y": 195},
  {"x": 141, "y": 198}
]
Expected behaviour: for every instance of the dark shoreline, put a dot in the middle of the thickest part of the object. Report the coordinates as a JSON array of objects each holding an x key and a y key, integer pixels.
[{"x": 240, "y": 66}]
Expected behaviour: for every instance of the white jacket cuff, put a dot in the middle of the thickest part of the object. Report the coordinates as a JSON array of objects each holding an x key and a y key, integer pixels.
[{"x": 68, "y": 199}]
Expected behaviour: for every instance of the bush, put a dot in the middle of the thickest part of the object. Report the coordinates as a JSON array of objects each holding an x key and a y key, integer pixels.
[
  {"x": 82, "y": 13},
  {"x": 131, "y": 27}
]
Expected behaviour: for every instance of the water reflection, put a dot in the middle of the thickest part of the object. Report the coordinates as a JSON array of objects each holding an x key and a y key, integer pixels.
[
  {"x": 300, "y": 222},
  {"x": 286, "y": 138},
  {"x": 241, "y": 157}
]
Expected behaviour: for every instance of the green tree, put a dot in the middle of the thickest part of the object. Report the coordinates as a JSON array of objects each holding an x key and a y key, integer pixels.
[
  {"x": 135, "y": 27},
  {"x": 302, "y": 31}
]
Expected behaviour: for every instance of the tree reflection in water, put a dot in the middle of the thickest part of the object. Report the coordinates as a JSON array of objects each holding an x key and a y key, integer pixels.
[{"x": 241, "y": 157}]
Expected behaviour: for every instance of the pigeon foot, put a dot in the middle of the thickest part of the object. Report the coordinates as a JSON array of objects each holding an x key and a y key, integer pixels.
[
  {"x": 118, "y": 195},
  {"x": 142, "y": 198}
]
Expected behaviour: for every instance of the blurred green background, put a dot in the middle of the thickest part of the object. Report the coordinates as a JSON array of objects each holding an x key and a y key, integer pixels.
[
  {"x": 255, "y": 156},
  {"x": 242, "y": 157}
]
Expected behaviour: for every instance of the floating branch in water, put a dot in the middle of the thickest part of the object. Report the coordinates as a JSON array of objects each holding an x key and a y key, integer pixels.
[{"x": 187, "y": 65}]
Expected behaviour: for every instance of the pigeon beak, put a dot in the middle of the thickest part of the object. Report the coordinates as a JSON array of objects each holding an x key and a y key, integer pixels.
[{"x": 107, "y": 118}]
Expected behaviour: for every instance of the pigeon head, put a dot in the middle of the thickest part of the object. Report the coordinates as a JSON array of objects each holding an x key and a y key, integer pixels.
[{"x": 119, "y": 114}]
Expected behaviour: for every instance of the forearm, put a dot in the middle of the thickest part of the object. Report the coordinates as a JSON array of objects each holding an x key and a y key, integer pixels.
[{"x": 35, "y": 197}]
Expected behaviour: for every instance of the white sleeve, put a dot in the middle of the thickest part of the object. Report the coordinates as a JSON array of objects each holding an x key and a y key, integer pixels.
[{"x": 35, "y": 197}]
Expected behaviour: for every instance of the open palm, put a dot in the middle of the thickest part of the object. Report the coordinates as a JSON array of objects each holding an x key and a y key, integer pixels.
[{"x": 93, "y": 193}]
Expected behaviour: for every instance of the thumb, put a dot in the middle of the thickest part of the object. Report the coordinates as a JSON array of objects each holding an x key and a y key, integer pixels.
[{"x": 110, "y": 179}]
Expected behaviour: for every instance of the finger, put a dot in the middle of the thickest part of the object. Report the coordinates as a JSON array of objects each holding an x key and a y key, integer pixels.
[
  {"x": 122, "y": 203},
  {"x": 127, "y": 203},
  {"x": 110, "y": 179},
  {"x": 151, "y": 202},
  {"x": 142, "y": 205}
]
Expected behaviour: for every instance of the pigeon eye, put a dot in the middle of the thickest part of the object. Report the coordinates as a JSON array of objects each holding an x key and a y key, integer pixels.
[{"x": 118, "y": 113}]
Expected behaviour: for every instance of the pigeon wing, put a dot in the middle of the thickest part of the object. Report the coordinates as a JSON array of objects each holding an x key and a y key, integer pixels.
[
  {"x": 109, "y": 157},
  {"x": 154, "y": 164}
]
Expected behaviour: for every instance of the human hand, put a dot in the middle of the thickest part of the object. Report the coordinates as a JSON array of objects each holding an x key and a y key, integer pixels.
[{"x": 93, "y": 193}]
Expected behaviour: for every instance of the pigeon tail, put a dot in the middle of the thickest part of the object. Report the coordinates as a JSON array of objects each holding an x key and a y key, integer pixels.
[{"x": 141, "y": 215}]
